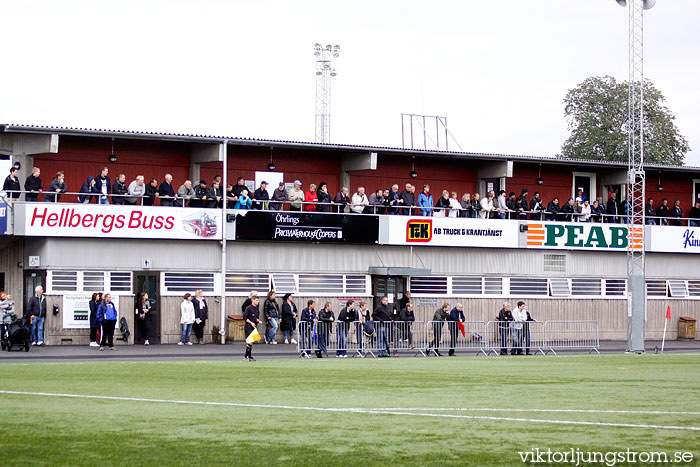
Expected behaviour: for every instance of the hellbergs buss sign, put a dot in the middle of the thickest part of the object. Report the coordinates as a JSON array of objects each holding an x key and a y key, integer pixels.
[{"x": 93, "y": 220}]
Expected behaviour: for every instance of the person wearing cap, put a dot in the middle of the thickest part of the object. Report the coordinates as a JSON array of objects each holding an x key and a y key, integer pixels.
[
  {"x": 296, "y": 197},
  {"x": 311, "y": 197},
  {"x": 260, "y": 195},
  {"x": 200, "y": 195},
  {"x": 280, "y": 194}
]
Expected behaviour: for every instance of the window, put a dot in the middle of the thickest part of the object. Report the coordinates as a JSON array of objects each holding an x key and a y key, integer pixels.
[
  {"x": 694, "y": 288},
  {"x": 284, "y": 283},
  {"x": 559, "y": 287},
  {"x": 120, "y": 282},
  {"x": 528, "y": 286},
  {"x": 678, "y": 288},
  {"x": 356, "y": 285},
  {"x": 321, "y": 284},
  {"x": 93, "y": 281},
  {"x": 188, "y": 282},
  {"x": 242, "y": 284},
  {"x": 656, "y": 288},
  {"x": 62, "y": 281},
  {"x": 615, "y": 287},
  {"x": 493, "y": 285},
  {"x": 430, "y": 285},
  {"x": 586, "y": 287},
  {"x": 554, "y": 263},
  {"x": 466, "y": 286}
]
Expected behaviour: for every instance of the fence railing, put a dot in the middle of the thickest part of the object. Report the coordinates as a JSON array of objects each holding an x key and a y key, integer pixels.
[{"x": 385, "y": 338}]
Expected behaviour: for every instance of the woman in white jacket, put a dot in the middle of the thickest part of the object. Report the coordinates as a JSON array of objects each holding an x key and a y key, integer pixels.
[{"x": 186, "y": 319}]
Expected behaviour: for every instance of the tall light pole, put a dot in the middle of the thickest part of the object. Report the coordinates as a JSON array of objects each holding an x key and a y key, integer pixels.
[
  {"x": 636, "y": 280},
  {"x": 324, "y": 73}
]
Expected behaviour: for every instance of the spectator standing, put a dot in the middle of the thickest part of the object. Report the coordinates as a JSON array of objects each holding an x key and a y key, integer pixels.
[
  {"x": 467, "y": 206},
  {"x": 243, "y": 202},
  {"x": 346, "y": 317},
  {"x": 408, "y": 200},
  {"x": 476, "y": 205},
  {"x": 151, "y": 193},
  {"x": 441, "y": 315},
  {"x": 186, "y": 319},
  {"x": 119, "y": 189},
  {"x": 442, "y": 206},
  {"x": 394, "y": 200},
  {"x": 526, "y": 324},
  {"x": 200, "y": 195},
  {"x": 505, "y": 317},
  {"x": 663, "y": 212},
  {"x": 375, "y": 200},
  {"x": 56, "y": 188},
  {"x": 407, "y": 317},
  {"x": 511, "y": 206},
  {"x": 143, "y": 316},
  {"x": 359, "y": 201},
  {"x": 289, "y": 319},
  {"x": 519, "y": 317},
  {"x": 279, "y": 196},
  {"x": 676, "y": 213},
  {"x": 487, "y": 206},
  {"x": 107, "y": 317},
  {"x": 325, "y": 327},
  {"x": 87, "y": 187},
  {"x": 136, "y": 190},
  {"x": 103, "y": 186},
  {"x": 502, "y": 205},
  {"x": 214, "y": 197},
  {"x": 650, "y": 212},
  {"x": 382, "y": 314},
  {"x": 425, "y": 201},
  {"x": 553, "y": 209},
  {"x": 238, "y": 188},
  {"x": 307, "y": 331},
  {"x": 11, "y": 185},
  {"x": 296, "y": 197},
  {"x": 36, "y": 310},
  {"x": 567, "y": 212},
  {"x": 455, "y": 206},
  {"x": 185, "y": 194},
  {"x": 324, "y": 198},
  {"x": 536, "y": 207},
  {"x": 694, "y": 215},
  {"x": 93, "y": 304},
  {"x": 251, "y": 315},
  {"x": 585, "y": 212},
  {"x": 612, "y": 209},
  {"x": 342, "y": 200},
  {"x": 166, "y": 192},
  {"x": 33, "y": 186},
  {"x": 311, "y": 197},
  {"x": 261, "y": 196},
  {"x": 271, "y": 311},
  {"x": 456, "y": 316},
  {"x": 201, "y": 315},
  {"x": 523, "y": 204}
]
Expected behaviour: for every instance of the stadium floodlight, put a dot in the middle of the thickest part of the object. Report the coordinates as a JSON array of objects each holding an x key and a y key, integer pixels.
[{"x": 324, "y": 73}]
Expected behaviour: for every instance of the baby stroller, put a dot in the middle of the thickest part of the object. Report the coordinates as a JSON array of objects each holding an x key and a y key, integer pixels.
[{"x": 15, "y": 334}]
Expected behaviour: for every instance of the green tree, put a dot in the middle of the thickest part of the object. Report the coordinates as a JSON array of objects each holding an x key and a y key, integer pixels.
[{"x": 596, "y": 111}]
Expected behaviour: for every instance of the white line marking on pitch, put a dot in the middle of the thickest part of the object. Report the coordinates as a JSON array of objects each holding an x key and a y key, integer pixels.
[
  {"x": 491, "y": 409},
  {"x": 354, "y": 410}
]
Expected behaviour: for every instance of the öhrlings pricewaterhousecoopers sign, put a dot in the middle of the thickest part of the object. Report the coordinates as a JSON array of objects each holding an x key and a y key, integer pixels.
[{"x": 310, "y": 227}]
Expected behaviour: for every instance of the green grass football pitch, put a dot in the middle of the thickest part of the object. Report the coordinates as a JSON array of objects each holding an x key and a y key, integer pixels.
[{"x": 414, "y": 411}]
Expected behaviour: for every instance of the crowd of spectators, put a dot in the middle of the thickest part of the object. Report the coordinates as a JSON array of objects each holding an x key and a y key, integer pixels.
[{"x": 317, "y": 198}]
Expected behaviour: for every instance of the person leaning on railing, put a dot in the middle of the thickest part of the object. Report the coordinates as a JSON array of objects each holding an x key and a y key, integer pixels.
[
  {"x": 676, "y": 213},
  {"x": 136, "y": 190},
  {"x": 694, "y": 215},
  {"x": 103, "y": 186},
  {"x": 56, "y": 188},
  {"x": 375, "y": 200},
  {"x": 311, "y": 197},
  {"x": 359, "y": 201},
  {"x": 505, "y": 316},
  {"x": 33, "y": 186},
  {"x": 342, "y": 200},
  {"x": 442, "y": 205},
  {"x": 324, "y": 198},
  {"x": 407, "y": 317},
  {"x": 425, "y": 201},
  {"x": 119, "y": 189},
  {"x": 11, "y": 185},
  {"x": 151, "y": 193},
  {"x": 296, "y": 197},
  {"x": 260, "y": 196},
  {"x": 185, "y": 194}
]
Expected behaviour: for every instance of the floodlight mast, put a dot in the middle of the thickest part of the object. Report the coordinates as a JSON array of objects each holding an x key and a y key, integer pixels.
[
  {"x": 636, "y": 179},
  {"x": 324, "y": 73}
]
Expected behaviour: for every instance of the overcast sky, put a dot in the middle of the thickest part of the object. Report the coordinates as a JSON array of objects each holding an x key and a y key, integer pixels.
[{"x": 498, "y": 70}]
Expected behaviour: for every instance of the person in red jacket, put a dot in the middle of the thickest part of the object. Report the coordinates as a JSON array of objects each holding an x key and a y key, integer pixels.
[{"x": 311, "y": 197}]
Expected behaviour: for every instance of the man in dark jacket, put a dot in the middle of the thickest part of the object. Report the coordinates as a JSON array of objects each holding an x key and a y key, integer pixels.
[
  {"x": 408, "y": 198},
  {"x": 87, "y": 187},
  {"x": 441, "y": 315},
  {"x": 326, "y": 317},
  {"x": 612, "y": 208},
  {"x": 523, "y": 204},
  {"x": 56, "y": 188},
  {"x": 553, "y": 209},
  {"x": 103, "y": 186},
  {"x": 12, "y": 184},
  {"x": 307, "y": 321},
  {"x": 650, "y": 212},
  {"x": 663, "y": 212},
  {"x": 456, "y": 316},
  {"x": 676, "y": 213},
  {"x": 406, "y": 299},
  {"x": 200, "y": 195},
  {"x": 279, "y": 195},
  {"x": 166, "y": 192},
  {"x": 36, "y": 310},
  {"x": 213, "y": 198},
  {"x": 32, "y": 185},
  {"x": 119, "y": 189},
  {"x": 504, "y": 318},
  {"x": 694, "y": 215},
  {"x": 536, "y": 207},
  {"x": 341, "y": 200},
  {"x": 382, "y": 314},
  {"x": 346, "y": 317},
  {"x": 260, "y": 196},
  {"x": 394, "y": 201},
  {"x": 406, "y": 318}
]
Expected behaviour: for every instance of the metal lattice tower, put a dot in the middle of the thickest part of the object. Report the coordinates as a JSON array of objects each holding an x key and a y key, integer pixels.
[
  {"x": 636, "y": 281},
  {"x": 324, "y": 73}
]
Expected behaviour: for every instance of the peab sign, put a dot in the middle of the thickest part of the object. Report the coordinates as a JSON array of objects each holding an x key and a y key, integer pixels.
[
  {"x": 673, "y": 239},
  {"x": 582, "y": 236},
  {"x": 448, "y": 231},
  {"x": 108, "y": 221}
]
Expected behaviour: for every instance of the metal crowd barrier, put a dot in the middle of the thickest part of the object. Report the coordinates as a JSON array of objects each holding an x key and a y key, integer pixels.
[
  {"x": 571, "y": 335},
  {"x": 516, "y": 337},
  {"x": 448, "y": 335}
]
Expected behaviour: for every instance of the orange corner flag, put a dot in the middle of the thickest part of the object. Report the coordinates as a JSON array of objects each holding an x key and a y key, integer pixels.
[{"x": 668, "y": 312}]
